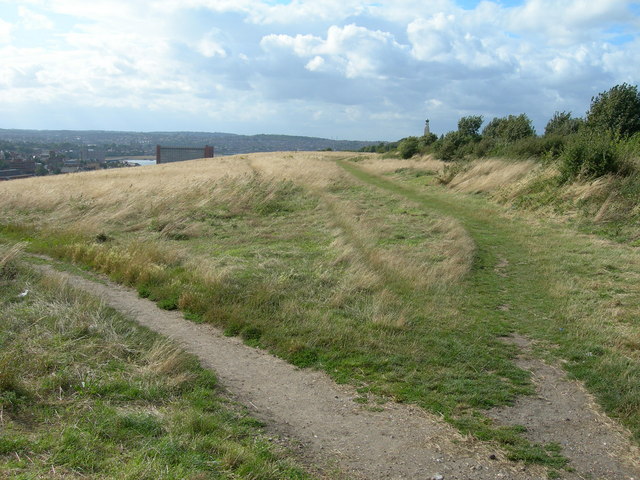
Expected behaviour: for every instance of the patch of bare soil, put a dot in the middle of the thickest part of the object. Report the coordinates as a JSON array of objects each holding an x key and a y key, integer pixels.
[
  {"x": 399, "y": 442},
  {"x": 562, "y": 411}
]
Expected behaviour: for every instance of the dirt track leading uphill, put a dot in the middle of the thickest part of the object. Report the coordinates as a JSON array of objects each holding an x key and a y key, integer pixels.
[{"x": 324, "y": 420}]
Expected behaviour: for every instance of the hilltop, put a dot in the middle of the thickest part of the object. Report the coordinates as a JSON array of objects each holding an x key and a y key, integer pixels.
[
  {"x": 467, "y": 306},
  {"x": 145, "y": 142}
]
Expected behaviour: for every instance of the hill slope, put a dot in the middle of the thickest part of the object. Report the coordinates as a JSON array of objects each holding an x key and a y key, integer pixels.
[{"x": 362, "y": 267}]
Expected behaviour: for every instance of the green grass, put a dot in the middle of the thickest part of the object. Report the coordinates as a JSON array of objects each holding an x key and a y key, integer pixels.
[
  {"x": 85, "y": 392},
  {"x": 552, "y": 293},
  {"x": 352, "y": 278}
]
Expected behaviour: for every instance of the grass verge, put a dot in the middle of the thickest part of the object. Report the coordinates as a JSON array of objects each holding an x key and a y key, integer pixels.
[
  {"x": 576, "y": 295},
  {"x": 85, "y": 392}
]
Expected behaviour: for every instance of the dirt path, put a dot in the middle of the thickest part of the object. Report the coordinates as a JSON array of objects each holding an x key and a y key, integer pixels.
[
  {"x": 563, "y": 412},
  {"x": 399, "y": 442}
]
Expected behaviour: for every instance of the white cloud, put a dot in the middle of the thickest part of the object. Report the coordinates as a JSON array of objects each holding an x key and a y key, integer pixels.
[
  {"x": 353, "y": 51},
  {"x": 571, "y": 21},
  {"x": 308, "y": 67},
  {"x": 315, "y": 64},
  {"x": 32, "y": 20},
  {"x": 210, "y": 47},
  {"x": 5, "y": 31}
]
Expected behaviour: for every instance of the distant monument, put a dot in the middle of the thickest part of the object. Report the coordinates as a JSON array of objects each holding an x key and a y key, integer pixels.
[{"x": 427, "y": 131}]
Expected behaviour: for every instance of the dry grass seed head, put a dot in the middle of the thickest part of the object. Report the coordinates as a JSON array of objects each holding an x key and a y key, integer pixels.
[
  {"x": 9, "y": 257},
  {"x": 490, "y": 175},
  {"x": 167, "y": 360},
  {"x": 379, "y": 165}
]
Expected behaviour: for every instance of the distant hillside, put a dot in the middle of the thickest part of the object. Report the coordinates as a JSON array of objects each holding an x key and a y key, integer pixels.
[{"x": 224, "y": 143}]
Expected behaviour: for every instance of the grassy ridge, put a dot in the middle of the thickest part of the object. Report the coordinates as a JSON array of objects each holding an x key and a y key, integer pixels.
[
  {"x": 84, "y": 392},
  {"x": 579, "y": 297},
  {"x": 400, "y": 288},
  {"x": 607, "y": 206}
]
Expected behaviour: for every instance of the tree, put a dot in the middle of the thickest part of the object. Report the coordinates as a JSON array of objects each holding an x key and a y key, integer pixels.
[
  {"x": 408, "y": 147},
  {"x": 616, "y": 111},
  {"x": 428, "y": 139},
  {"x": 509, "y": 129},
  {"x": 470, "y": 126},
  {"x": 562, "y": 124},
  {"x": 447, "y": 148}
]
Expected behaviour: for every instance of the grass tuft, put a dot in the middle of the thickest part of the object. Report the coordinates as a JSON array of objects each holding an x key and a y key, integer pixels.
[{"x": 85, "y": 392}]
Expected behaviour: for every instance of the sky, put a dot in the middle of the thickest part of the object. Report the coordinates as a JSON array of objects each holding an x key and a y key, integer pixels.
[{"x": 340, "y": 69}]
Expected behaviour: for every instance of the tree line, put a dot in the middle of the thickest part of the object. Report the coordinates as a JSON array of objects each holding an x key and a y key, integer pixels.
[{"x": 599, "y": 143}]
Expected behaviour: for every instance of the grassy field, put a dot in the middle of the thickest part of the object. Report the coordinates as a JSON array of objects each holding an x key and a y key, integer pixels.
[
  {"x": 363, "y": 267},
  {"x": 85, "y": 392}
]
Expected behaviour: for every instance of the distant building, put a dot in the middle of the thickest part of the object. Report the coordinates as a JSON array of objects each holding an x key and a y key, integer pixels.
[
  {"x": 180, "y": 154},
  {"x": 427, "y": 130},
  {"x": 71, "y": 166},
  {"x": 16, "y": 167},
  {"x": 13, "y": 174},
  {"x": 92, "y": 154}
]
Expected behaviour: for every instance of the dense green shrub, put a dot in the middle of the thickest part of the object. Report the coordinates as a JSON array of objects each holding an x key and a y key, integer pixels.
[
  {"x": 562, "y": 124},
  {"x": 616, "y": 111},
  {"x": 382, "y": 147},
  {"x": 446, "y": 148},
  {"x": 408, "y": 147},
  {"x": 546, "y": 147},
  {"x": 460, "y": 143},
  {"x": 589, "y": 155},
  {"x": 629, "y": 148},
  {"x": 484, "y": 147},
  {"x": 427, "y": 140},
  {"x": 470, "y": 126},
  {"x": 509, "y": 129}
]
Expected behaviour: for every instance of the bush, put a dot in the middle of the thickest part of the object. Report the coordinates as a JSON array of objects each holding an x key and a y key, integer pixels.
[
  {"x": 549, "y": 146},
  {"x": 460, "y": 143},
  {"x": 616, "y": 111},
  {"x": 589, "y": 155},
  {"x": 562, "y": 124},
  {"x": 408, "y": 147},
  {"x": 470, "y": 126},
  {"x": 509, "y": 129},
  {"x": 448, "y": 148}
]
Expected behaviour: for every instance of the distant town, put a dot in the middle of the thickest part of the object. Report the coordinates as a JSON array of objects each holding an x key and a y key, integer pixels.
[{"x": 26, "y": 153}]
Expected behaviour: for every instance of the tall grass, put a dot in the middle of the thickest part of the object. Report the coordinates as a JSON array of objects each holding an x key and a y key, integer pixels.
[
  {"x": 483, "y": 176},
  {"x": 607, "y": 205},
  {"x": 9, "y": 257},
  {"x": 296, "y": 255},
  {"x": 86, "y": 393}
]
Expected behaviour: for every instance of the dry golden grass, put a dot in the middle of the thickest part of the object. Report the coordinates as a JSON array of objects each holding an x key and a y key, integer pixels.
[
  {"x": 9, "y": 254},
  {"x": 146, "y": 205},
  {"x": 92, "y": 199},
  {"x": 314, "y": 170},
  {"x": 490, "y": 175},
  {"x": 377, "y": 164}
]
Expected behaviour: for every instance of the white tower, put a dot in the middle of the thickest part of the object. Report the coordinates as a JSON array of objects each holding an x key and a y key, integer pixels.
[{"x": 427, "y": 131}]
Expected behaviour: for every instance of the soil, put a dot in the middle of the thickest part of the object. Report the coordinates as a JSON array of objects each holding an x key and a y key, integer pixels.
[
  {"x": 334, "y": 432},
  {"x": 563, "y": 412}
]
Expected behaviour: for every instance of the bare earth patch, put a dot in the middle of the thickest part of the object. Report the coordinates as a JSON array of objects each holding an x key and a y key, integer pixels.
[
  {"x": 563, "y": 412},
  {"x": 398, "y": 442}
]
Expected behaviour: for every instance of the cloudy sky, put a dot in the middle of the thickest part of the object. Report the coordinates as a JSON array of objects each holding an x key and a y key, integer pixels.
[{"x": 344, "y": 69}]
